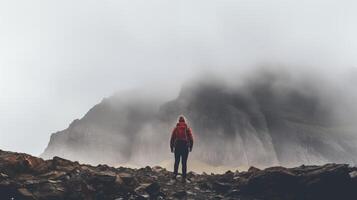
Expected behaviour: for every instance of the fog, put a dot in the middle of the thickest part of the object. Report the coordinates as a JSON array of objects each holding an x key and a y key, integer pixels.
[
  {"x": 264, "y": 117},
  {"x": 59, "y": 58}
]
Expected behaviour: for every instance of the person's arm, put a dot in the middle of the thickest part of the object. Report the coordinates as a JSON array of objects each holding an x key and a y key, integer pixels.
[
  {"x": 190, "y": 138},
  {"x": 172, "y": 140}
]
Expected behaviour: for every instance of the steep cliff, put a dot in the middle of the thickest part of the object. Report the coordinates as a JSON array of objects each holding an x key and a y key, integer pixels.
[{"x": 263, "y": 121}]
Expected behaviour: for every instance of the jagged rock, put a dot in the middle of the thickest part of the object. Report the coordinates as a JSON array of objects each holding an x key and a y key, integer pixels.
[
  {"x": 205, "y": 185},
  {"x": 229, "y": 172},
  {"x": 221, "y": 187},
  {"x": 233, "y": 193},
  {"x": 153, "y": 189},
  {"x": 54, "y": 174},
  {"x": 63, "y": 164},
  {"x": 353, "y": 174},
  {"x": 253, "y": 169},
  {"x": 327, "y": 181},
  {"x": 127, "y": 178},
  {"x": 102, "y": 178},
  {"x": 191, "y": 174},
  {"x": 157, "y": 169},
  {"x": 180, "y": 194},
  {"x": 141, "y": 197},
  {"x": 271, "y": 182},
  {"x": 63, "y": 179},
  {"x": 25, "y": 192}
]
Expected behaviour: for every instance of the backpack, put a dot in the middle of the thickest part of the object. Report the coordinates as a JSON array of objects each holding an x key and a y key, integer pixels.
[{"x": 181, "y": 133}]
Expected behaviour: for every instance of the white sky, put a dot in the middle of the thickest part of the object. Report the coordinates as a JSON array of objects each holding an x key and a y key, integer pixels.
[{"x": 59, "y": 58}]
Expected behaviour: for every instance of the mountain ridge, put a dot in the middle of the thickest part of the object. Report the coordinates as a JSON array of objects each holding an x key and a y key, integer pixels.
[{"x": 263, "y": 122}]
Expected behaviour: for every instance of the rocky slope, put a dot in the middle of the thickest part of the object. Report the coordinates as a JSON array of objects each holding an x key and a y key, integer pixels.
[
  {"x": 263, "y": 122},
  {"x": 26, "y": 177}
]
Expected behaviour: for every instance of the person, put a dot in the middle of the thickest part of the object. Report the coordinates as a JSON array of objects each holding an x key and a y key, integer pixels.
[{"x": 181, "y": 144}]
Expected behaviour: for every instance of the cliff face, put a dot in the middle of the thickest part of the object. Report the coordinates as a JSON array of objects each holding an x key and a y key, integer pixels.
[
  {"x": 26, "y": 177},
  {"x": 263, "y": 122},
  {"x": 106, "y": 134}
]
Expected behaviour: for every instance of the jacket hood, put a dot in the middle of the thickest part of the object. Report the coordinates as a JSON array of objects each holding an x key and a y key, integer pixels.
[{"x": 181, "y": 119}]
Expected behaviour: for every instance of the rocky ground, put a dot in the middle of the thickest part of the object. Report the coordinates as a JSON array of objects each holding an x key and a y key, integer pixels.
[{"x": 26, "y": 177}]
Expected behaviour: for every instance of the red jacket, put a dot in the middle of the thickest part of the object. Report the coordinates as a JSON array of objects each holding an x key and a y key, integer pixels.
[{"x": 181, "y": 132}]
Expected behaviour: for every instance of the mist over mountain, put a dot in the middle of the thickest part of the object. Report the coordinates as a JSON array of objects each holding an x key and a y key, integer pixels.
[{"x": 264, "y": 118}]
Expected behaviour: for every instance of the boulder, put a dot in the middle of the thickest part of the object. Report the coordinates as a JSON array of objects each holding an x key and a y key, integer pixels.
[
  {"x": 180, "y": 194},
  {"x": 221, "y": 187},
  {"x": 153, "y": 189},
  {"x": 253, "y": 169},
  {"x": 271, "y": 183}
]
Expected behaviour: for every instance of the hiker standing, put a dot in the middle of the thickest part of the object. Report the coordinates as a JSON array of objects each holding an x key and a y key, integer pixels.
[{"x": 181, "y": 144}]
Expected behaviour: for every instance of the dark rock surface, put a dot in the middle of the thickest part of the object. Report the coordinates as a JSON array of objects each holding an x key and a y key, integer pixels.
[{"x": 29, "y": 178}]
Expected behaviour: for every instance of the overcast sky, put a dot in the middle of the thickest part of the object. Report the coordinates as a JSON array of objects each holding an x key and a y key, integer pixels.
[{"x": 59, "y": 58}]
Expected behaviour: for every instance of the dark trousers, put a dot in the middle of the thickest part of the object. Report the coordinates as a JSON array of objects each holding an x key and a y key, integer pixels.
[{"x": 181, "y": 152}]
